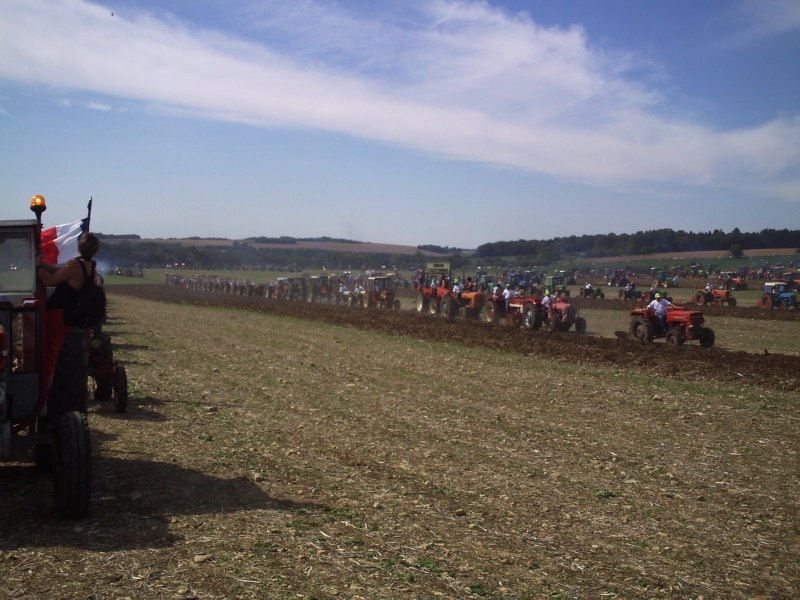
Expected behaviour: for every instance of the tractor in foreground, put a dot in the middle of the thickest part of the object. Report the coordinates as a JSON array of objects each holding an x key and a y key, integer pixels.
[
  {"x": 434, "y": 286},
  {"x": 682, "y": 326},
  {"x": 777, "y": 295},
  {"x": 55, "y": 423}
]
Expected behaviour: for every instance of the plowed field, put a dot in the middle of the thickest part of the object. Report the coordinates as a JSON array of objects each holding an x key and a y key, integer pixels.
[{"x": 275, "y": 450}]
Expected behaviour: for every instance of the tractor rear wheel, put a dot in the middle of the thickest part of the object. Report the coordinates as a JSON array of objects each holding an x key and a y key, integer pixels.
[
  {"x": 642, "y": 330},
  {"x": 433, "y": 306},
  {"x": 707, "y": 337},
  {"x": 365, "y": 301},
  {"x": 449, "y": 308},
  {"x": 531, "y": 320},
  {"x": 72, "y": 474},
  {"x": 580, "y": 325},
  {"x": 396, "y": 305},
  {"x": 700, "y": 298},
  {"x": 766, "y": 301},
  {"x": 673, "y": 338},
  {"x": 421, "y": 304}
]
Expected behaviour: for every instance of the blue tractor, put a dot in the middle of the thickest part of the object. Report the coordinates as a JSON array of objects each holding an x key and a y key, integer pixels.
[{"x": 777, "y": 295}]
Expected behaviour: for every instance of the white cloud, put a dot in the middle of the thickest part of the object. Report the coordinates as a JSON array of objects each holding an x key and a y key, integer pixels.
[
  {"x": 98, "y": 106},
  {"x": 453, "y": 78},
  {"x": 767, "y": 18}
]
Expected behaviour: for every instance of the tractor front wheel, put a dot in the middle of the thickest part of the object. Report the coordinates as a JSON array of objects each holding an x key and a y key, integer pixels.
[
  {"x": 449, "y": 308},
  {"x": 421, "y": 304},
  {"x": 707, "y": 337},
  {"x": 433, "y": 306},
  {"x": 580, "y": 325},
  {"x": 731, "y": 301},
  {"x": 490, "y": 313},
  {"x": 673, "y": 338},
  {"x": 552, "y": 324},
  {"x": 120, "y": 389}
]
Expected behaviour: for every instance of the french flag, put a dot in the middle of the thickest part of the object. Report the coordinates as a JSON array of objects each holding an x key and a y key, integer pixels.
[{"x": 60, "y": 243}]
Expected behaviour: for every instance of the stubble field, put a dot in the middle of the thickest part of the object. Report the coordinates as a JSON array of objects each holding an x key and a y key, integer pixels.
[{"x": 297, "y": 452}]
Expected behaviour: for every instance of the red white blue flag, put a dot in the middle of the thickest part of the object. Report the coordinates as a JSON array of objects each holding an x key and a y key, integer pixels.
[{"x": 60, "y": 243}]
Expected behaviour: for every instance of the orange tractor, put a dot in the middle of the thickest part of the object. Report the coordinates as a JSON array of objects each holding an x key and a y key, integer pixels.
[{"x": 715, "y": 296}]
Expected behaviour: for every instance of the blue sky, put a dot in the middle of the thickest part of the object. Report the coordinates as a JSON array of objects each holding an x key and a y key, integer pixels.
[{"x": 450, "y": 122}]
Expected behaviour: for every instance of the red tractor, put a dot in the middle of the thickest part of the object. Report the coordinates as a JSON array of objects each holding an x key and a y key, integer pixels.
[
  {"x": 434, "y": 286},
  {"x": 561, "y": 316},
  {"x": 682, "y": 325},
  {"x": 522, "y": 310},
  {"x": 380, "y": 292},
  {"x": 61, "y": 438},
  {"x": 320, "y": 288}
]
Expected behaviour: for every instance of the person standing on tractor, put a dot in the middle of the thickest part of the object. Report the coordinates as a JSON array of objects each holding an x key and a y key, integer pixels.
[
  {"x": 547, "y": 300},
  {"x": 457, "y": 289},
  {"x": 709, "y": 288},
  {"x": 588, "y": 289},
  {"x": 660, "y": 306},
  {"x": 68, "y": 281},
  {"x": 508, "y": 293}
]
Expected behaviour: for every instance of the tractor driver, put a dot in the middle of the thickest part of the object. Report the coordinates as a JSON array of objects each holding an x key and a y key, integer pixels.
[{"x": 660, "y": 306}]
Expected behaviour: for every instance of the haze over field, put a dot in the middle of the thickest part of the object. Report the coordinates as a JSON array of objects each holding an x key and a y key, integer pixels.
[{"x": 449, "y": 122}]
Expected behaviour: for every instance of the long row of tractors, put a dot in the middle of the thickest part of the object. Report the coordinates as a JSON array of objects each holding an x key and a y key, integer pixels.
[{"x": 440, "y": 295}]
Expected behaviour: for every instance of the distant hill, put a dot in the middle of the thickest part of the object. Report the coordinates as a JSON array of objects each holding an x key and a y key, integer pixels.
[{"x": 328, "y": 246}]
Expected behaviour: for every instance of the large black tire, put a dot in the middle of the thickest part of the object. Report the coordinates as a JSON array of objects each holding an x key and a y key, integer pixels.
[
  {"x": 707, "y": 337},
  {"x": 700, "y": 298},
  {"x": 642, "y": 330},
  {"x": 72, "y": 473},
  {"x": 421, "y": 303},
  {"x": 532, "y": 319},
  {"x": 552, "y": 324},
  {"x": 449, "y": 308},
  {"x": 103, "y": 388},
  {"x": 70, "y": 389},
  {"x": 673, "y": 338},
  {"x": 433, "y": 306},
  {"x": 602, "y": 295},
  {"x": 580, "y": 325},
  {"x": 731, "y": 301},
  {"x": 766, "y": 301},
  {"x": 490, "y": 313},
  {"x": 396, "y": 305},
  {"x": 120, "y": 389}
]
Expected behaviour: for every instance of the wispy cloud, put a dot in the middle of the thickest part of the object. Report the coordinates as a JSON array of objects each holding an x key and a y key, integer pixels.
[
  {"x": 98, "y": 106},
  {"x": 453, "y": 78},
  {"x": 767, "y": 18}
]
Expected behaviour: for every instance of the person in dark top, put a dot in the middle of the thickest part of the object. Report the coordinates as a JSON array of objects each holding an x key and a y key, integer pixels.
[{"x": 68, "y": 281}]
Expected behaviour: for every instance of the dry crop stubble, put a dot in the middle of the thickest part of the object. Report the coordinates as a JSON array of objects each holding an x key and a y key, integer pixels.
[{"x": 267, "y": 456}]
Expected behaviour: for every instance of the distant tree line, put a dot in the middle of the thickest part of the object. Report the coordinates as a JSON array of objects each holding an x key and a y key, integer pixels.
[
  {"x": 159, "y": 254},
  {"x": 642, "y": 242},
  {"x": 285, "y": 239}
]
